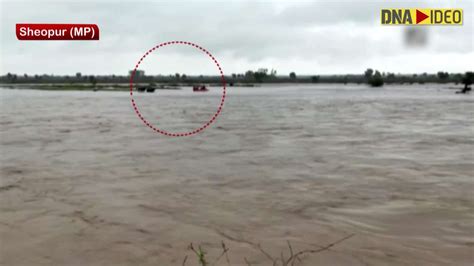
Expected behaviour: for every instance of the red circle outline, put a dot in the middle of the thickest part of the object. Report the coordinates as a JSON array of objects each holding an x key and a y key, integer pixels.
[{"x": 208, "y": 123}]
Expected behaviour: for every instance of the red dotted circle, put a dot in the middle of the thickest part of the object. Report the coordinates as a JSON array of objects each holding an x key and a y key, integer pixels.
[{"x": 183, "y": 134}]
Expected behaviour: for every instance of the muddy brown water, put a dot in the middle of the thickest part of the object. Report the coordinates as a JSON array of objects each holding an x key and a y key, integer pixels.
[{"x": 84, "y": 182}]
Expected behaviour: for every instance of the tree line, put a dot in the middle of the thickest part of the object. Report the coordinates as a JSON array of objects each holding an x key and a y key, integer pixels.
[{"x": 370, "y": 76}]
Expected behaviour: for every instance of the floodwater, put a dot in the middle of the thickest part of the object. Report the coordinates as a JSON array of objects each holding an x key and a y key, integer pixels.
[{"x": 85, "y": 182}]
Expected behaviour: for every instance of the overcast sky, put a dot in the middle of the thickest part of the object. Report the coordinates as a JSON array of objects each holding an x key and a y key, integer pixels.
[{"x": 307, "y": 37}]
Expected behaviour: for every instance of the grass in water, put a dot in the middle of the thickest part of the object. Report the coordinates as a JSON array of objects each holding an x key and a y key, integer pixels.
[{"x": 293, "y": 259}]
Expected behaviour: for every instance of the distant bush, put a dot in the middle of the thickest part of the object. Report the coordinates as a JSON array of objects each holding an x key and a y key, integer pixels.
[
  {"x": 292, "y": 75},
  {"x": 373, "y": 79},
  {"x": 468, "y": 78}
]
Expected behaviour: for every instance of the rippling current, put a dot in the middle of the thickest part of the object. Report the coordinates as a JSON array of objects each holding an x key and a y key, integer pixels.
[{"x": 85, "y": 182}]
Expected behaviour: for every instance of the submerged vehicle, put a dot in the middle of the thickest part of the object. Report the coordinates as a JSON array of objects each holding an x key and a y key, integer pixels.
[
  {"x": 152, "y": 87},
  {"x": 149, "y": 88},
  {"x": 200, "y": 88}
]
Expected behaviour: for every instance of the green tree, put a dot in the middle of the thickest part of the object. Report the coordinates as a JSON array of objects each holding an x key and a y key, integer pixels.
[
  {"x": 9, "y": 77},
  {"x": 443, "y": 75},
  {"x": 368, "y": 73},
  {"x": 315, "y": 79},
  {"x": 376, "y": 80},
  {"x": 293, "y": 75},
  {"x": 259, "y": 75},
  {"x": 467, "y": 80},
  {"x": 92, "y": 80},
  {"x": 249, "y": 74}
]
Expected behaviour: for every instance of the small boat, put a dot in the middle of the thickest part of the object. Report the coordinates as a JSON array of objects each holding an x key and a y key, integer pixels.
[{"x": 201, "y": 88}]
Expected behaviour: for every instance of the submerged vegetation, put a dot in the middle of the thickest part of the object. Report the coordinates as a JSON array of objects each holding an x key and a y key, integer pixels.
[
  {"x": 292, "y": 258},
  {"x": 467, "y": 80}
]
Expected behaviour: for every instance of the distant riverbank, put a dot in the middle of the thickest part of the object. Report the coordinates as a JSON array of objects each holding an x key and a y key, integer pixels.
[
  {"x": 100, "y": 86},
  {"x": 126, "y": 87},
  {"x": 69, "y": 87}
]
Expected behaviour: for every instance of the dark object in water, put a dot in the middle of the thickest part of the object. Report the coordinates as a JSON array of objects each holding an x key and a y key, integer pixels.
[
  {"x": 152, "y": 88},
  {"x": 465, "y": 90},
  {"x": 467, "y": 80},
  {"x": 200, "y": 88},
  {"x": 146, "y": 88}
]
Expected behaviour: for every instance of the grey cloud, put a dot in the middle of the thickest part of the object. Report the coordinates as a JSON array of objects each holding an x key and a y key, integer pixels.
[{"x": 341, "y": 35}]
